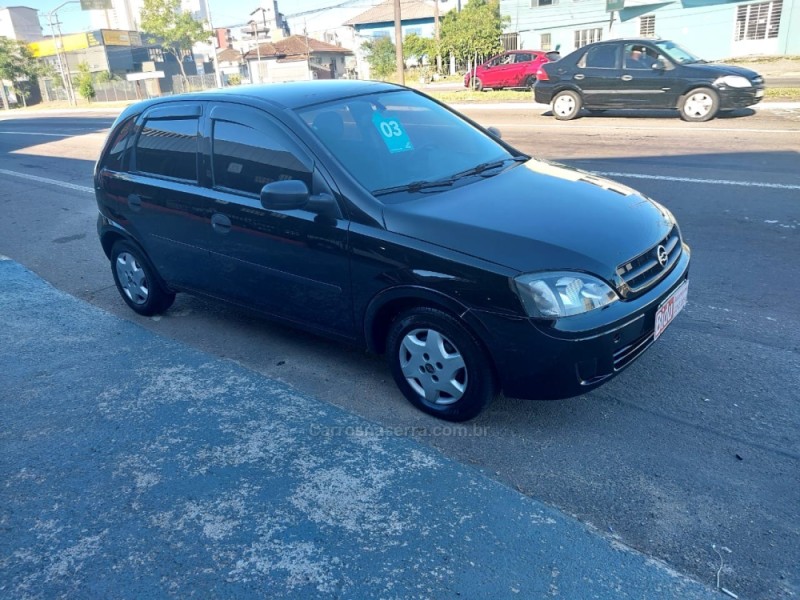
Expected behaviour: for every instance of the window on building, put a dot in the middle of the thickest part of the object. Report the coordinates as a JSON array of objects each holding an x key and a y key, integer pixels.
[
  {"x": 155, "y": 54},
  {"x": 510, "y": 41},
  {"x": 587, "y": 36},
  {"x": 245, "y": 160},
  {"x": 647, "y": 26},
  {"x": 546, "y": 42},
  {"x": 168, "y": 147},
  {"x": 535, "y": 3},
  {"x": 758, "y": 21}
]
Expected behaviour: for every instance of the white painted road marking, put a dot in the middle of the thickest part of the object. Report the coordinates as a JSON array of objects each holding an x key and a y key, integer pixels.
[
  {"x": 777, "y": 186},
  {"x": 661, "y": 129},
  {"x": 65, "y": 184},
  {"x": 613, "y": 174}
]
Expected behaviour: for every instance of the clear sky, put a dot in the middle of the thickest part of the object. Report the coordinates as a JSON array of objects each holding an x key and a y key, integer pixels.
[{"x": 223, "y": 12}]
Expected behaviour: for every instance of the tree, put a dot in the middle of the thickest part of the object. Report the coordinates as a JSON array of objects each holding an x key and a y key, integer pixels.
[
  {"x": 474, "y": 30},
  {"x": 380, "y": 56},
  {"x": 176, "y": 29},
  {"x": 85, "y": 82},
  {"x": 16, "y": 62},
  {"x": 416, "y": 46}
]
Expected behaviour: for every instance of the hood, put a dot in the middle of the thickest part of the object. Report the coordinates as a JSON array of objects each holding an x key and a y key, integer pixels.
[
  {"x": 537, "y": 216},
  {"x": 719, "y": 70}
]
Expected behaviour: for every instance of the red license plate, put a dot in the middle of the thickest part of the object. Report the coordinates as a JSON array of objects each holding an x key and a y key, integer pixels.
[{"x": 670, "y": 308}]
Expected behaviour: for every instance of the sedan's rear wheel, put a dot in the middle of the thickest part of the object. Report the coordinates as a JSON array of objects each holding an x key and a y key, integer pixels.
[
  {"x": 699, "y": 105},
  {"x": 438, "y": 365},
  {"x": 566, "y": 105},
  {"x": 137, "y": 282},
  {"x": 476, "y": 84}
]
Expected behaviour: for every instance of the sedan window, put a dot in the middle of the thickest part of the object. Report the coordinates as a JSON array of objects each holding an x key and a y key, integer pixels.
[
  {"x": 600, "y": 57},
  {"x": 401, "y": 139},
  {"x": 677, "y": 53}
]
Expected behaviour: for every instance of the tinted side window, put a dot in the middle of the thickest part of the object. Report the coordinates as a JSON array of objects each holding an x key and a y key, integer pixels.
[
  {"x": 524, "y": 57},
  {"x": 245, "y": 159},
  {"x": 168, "y": 147},
  {"x": 122, "y": 140},
  {"x": 601, "y": 57}
]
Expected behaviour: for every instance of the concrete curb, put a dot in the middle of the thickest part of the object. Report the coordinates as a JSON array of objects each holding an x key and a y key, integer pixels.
[{"x": 136, "y": 467}]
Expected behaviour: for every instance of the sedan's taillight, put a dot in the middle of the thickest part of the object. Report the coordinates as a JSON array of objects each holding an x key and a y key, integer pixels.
[{"x": 541, "y": 74}]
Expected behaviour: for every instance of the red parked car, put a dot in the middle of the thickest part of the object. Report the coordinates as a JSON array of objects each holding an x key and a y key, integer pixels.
[{"x": 512, "y": 69}]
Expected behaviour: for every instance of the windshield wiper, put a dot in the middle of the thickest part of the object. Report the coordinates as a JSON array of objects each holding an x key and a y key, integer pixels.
[
  {"x": 489, "y": 166},
  {"x": 415, "y": 186}
]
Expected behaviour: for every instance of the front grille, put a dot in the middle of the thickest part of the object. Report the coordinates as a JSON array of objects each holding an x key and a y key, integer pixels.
[
  {"x": 644, "y": 271},
  {"x": 625, "y": 356}
]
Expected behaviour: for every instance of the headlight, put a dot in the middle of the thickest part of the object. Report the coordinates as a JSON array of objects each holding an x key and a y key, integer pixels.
[
  {"x": 562, "y": 294},
  {"x": 734, "y": 81}
]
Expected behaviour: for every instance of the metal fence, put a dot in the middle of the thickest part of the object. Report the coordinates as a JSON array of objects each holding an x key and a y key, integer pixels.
[
  {"x": 52, "y": 90},
  {"x": 196, "y": 83},
  {"x": 112, "y": 91}
]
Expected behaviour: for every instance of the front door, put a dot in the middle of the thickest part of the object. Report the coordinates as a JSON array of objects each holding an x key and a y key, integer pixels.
[
  {"x": 647, "y": 80},
  {"x": 293, "y": 263}
]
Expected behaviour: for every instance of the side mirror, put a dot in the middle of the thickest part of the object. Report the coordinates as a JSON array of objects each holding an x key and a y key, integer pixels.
[
  {"x": 290, "y": 194},
  {"x": 495, "y": 132}
]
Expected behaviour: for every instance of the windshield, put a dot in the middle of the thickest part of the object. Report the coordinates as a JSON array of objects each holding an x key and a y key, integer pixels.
[
  {"x": 402, "y": 141},
  {"x": 677, "y": 53}
]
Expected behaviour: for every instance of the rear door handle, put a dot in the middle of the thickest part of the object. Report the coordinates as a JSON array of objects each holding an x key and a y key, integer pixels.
[
  {"x": 220, "y": 223},
  {"x": 579, "y": 76},
  {"x": 626, "y": 77}
]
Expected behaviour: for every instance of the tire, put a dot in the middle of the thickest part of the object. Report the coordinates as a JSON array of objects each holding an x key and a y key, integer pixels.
[
  {"x": 529, "y": 81},
  {"x": 566, "y": 105},
  {"x": 137, "y": 281},
  {"x": 698, "y": 105},
  {"x": 439, "y": 366},
  {"x": 476, "y": 84}
]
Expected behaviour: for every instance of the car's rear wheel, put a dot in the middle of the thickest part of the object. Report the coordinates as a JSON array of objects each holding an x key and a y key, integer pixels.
[
  {"x": 529, "y": 81},
  {"x": 439, "y": 365},
  {"x": 566, "y": 105},
  {"x": 476, "y": 84},
  {"x": 701, "y": 104},
  {"x": 137, "y": 281}
]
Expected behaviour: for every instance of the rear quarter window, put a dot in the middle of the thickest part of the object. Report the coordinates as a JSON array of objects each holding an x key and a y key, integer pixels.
[
  {"x": 169, "y": 148},
  {"x": 117, "y": 147}
]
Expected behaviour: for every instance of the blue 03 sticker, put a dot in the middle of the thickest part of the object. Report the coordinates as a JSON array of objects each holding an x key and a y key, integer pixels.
[{"x": 392, "y": 133}]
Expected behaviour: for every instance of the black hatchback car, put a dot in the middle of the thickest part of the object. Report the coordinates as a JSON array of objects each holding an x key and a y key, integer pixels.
[
  {"x": 373, "y": 214},
  {"x": 644, "y": 73}
]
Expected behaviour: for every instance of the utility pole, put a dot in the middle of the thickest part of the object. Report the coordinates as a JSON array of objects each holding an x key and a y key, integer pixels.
[
  {"x": 217, "y": 72},
  {"x": 437, "y": 34},
  {"x": 398, "y": 42},
  {"x": 58, "y": 45}
]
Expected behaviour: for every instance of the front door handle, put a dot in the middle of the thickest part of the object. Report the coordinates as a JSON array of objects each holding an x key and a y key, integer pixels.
[
  {"x": 220, "y": 223},
  {"x": 626, "y": 77},
  {"x": 579, "y": 76}
]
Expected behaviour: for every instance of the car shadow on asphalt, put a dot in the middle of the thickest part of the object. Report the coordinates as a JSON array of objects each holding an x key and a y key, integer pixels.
[{"x": 652, "y": 114}]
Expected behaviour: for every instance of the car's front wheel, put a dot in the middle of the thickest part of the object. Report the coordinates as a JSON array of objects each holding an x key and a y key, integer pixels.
[
  {"x": 438, "y": 365},
  {"x": 699, "y": 105},
  {"x": 566, "y": 105},
  {"x": 137, "y": 282}
]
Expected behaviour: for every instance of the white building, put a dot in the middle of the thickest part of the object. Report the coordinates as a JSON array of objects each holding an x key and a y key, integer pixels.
[
  {"x": 125, "y": 14},
  {"x": 20, "y": 23}
]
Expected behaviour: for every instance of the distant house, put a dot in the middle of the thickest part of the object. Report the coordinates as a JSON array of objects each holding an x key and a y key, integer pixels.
[
  {"x": 296, "y": 58},
  {"x": 231, "y": 62},
  {"x": 416, "y": 16}
]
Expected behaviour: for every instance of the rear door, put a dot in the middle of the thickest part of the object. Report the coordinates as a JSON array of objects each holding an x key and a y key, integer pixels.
[
  {"x": 523, "y": 68},
  {"x": 598, "y": 75},
  {"x": 165, "y": 203}
]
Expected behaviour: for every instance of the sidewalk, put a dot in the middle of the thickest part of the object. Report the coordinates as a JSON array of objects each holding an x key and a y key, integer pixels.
[{"x": 136, "y": 467}]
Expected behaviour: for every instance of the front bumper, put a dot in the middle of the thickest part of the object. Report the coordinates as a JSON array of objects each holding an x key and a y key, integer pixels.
[
  {"x": 540, "y": 360},
  {"x": 740, "y": 98}
]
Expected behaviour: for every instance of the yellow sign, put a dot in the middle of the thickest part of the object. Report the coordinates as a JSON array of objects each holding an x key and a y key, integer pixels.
[
  {"x": 114, "y": 37},
  {"x": 75, "y": 41}
]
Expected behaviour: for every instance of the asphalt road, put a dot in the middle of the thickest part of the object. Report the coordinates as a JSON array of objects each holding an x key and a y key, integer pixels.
[{"x": 695, "y": 447}]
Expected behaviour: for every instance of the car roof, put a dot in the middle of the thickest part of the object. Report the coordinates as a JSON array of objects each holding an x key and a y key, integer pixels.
[{"x": 291, "y": 95}]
